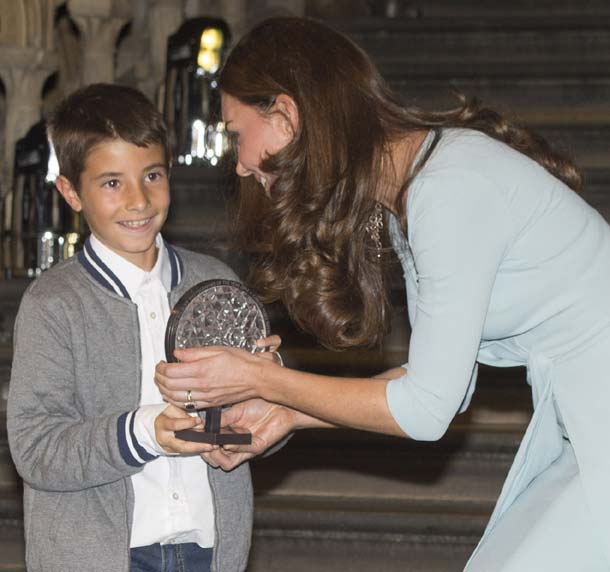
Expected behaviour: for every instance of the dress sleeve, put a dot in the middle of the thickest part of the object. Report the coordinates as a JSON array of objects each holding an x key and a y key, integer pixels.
[{"x": 459, "y": 231}]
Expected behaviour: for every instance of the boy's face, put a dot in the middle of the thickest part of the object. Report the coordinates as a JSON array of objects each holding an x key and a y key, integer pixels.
[{"x": 124, "y": 197}]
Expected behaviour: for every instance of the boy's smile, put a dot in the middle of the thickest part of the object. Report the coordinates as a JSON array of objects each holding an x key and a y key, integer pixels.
[{"x": 124, "y": 197}]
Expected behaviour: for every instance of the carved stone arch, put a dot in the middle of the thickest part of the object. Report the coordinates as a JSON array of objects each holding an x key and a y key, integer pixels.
[
  {"x": 67, "y": 43},
  {"x": 99, "y": 23},
  {"x": 33, "y": 23},
  {"x": 27, "y": 23},
  {"x": 13, "y": 27}
]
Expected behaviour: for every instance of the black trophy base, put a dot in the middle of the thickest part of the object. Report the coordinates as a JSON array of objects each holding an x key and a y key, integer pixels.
[
  {"x": 212, "y": 432},
  {"x": 224, "y": 437}
]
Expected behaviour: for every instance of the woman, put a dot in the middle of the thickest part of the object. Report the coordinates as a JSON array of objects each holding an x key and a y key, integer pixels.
[{"x": 504, "y": 264}]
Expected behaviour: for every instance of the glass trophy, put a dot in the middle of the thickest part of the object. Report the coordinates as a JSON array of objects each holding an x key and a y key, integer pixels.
[{"x": 216, "y": 313}]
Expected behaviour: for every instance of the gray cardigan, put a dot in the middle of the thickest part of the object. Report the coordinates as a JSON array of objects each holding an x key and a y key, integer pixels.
[{"x": 75, "y": 376}]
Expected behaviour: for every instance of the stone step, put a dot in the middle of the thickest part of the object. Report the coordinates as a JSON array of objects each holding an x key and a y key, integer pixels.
[
  {"x": 475, "y": 47},
  {"x": 303, "y": 534},
  {"x": 543, "y": 12},
  {"x": 552, "y": 68},
  {"x": 532, "y": 100},
  {"x": 325, "y": 535},
  {"x": 546, "y": 12},
  {"x": 11, "y": 511},
  {"x": 12, "y": 551}
]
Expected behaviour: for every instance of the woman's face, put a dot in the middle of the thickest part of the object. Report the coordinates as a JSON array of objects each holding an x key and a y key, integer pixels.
[{"x": 256, "y": 136}]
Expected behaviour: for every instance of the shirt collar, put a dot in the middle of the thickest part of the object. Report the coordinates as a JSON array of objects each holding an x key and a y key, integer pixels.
[{"x": 121, "y": 276}]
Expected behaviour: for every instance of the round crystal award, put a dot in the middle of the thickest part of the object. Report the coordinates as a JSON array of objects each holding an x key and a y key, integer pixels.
[{"x": 215, "y": 313}]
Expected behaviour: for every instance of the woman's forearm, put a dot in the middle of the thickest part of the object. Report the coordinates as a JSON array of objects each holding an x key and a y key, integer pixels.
[{"x": 326, "y": 401}]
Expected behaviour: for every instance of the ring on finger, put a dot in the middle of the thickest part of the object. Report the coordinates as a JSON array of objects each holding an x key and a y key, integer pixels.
[{"x": 190, "y": 404}]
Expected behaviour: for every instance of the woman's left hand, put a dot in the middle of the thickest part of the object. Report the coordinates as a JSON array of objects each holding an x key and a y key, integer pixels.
[
  {"x": 267, "y": 422},
  {"x": 214, "y": 376}
]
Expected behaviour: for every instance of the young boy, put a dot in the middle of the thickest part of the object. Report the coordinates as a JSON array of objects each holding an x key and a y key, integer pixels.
[{"x": 89, "y": 433}]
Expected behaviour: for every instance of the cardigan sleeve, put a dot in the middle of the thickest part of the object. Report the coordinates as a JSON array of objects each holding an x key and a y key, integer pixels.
[
  {"x": 54, "y": 446},
  {"x": 459, "y": 232}
]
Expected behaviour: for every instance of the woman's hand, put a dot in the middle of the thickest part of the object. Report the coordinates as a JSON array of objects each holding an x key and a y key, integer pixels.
[
  {"x": 268, "y": 423},
  {"x": 215, "y": 375},
  {"x": 174, "y": 419}
]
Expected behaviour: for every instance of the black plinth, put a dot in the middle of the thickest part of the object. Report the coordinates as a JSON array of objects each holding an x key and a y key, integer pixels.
[{"x": 212, "y": 433}]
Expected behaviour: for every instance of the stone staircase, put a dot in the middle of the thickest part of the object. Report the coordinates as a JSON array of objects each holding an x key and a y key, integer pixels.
[{"x": 345, "y": 500}]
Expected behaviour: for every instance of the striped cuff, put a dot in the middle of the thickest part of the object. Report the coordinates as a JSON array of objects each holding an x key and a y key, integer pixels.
[{"x": 132, "y": 452}]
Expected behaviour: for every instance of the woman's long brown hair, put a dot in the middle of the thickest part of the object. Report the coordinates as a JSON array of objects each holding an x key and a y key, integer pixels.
[{"x": 311, "y": 248}]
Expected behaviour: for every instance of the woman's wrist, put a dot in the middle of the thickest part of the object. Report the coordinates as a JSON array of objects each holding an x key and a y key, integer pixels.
[
  {"x": 303, "y": 421},
  {"x": 263, "y": 378}
]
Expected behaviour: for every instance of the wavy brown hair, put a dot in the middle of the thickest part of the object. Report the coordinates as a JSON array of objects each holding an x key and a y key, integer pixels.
[{"x": 311, "y": 248}]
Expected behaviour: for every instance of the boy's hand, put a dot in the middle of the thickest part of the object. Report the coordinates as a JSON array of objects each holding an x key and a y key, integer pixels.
[
  {"x": 270, "y": 343},
  {"x": 174, "y": 419}
]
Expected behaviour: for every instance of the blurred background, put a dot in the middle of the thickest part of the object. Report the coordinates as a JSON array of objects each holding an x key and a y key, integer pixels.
[{"x": 335, "y": 500}]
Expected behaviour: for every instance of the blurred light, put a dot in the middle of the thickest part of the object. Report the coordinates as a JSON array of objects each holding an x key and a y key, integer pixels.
[
  {"x": 212, "y": 39},
  {"x": 208, "y": 60},
  {"x": 210, "y": 47},
  {"x": 198, "y": 138},
  {"x": 53, "y": 166}
]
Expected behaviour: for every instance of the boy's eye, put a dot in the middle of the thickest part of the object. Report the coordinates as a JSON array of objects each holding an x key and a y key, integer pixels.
[
  {"x": 154, "y": 176},
  {"x": 112, "y": 184}
]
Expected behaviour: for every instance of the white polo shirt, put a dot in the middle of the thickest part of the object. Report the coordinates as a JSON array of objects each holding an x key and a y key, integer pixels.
[{"x": 173, "y": 499}]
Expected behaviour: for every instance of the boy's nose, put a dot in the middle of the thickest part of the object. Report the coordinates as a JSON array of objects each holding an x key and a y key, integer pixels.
[{"x": 137, "y": 199}]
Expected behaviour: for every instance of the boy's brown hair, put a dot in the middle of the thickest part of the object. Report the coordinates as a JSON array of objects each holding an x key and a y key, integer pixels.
[{"x": 101, "y": 112}]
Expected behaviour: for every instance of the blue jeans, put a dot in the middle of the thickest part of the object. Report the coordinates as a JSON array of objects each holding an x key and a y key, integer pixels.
[{"x": 187, "y": 557}]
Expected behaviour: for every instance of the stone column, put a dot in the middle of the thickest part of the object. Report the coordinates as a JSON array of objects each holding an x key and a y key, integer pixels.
[
  {"x": 23, "y": 72},
  {"x": 164, "y": 18},
  {"x": 27, "y": 58},
  {"x": 99, "y": 23}
]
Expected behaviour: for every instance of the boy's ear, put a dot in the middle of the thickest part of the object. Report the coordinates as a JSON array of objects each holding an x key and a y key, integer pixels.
[
  {"x": 287, "y": 107},
  {"x": 68, "y": 192}
]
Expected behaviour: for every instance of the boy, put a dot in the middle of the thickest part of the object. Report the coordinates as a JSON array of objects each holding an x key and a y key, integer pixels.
[{"x": 88, "y": 430}]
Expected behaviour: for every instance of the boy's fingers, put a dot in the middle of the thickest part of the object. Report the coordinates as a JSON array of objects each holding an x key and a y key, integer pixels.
[
  {"x": 165, "y": 424},
  {"x": 272, "y": 342},
  {"x": 175, "y": 445}
]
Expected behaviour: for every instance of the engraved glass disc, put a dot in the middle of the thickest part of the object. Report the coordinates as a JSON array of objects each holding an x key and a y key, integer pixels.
[{"x": 216, "y": 313}]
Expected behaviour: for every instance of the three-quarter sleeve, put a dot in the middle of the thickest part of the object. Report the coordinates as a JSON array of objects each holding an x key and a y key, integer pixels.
[{"x": 459, "y": 232}]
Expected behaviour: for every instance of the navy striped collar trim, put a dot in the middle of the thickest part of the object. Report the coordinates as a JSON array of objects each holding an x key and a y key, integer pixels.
[{"x": 94, "y": 265}]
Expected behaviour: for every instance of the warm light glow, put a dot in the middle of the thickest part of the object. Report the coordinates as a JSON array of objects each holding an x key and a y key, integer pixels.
[
  {"x": 208, "y": 60},
  {"x": 211, "y": 39},
  {"x": 210, "y": 46}
]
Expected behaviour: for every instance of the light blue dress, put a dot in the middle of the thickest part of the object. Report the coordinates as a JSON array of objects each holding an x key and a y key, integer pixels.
[{"x": 505, "y": 265}]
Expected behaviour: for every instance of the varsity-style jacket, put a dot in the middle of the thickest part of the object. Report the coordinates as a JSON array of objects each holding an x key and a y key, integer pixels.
[{"x": 75, "y": 382}]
